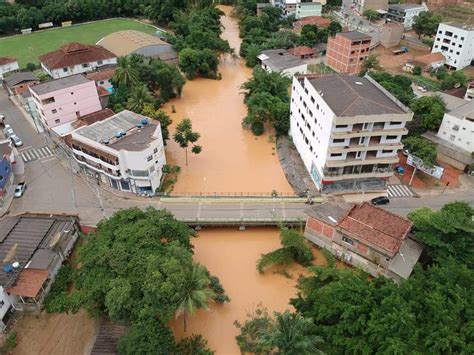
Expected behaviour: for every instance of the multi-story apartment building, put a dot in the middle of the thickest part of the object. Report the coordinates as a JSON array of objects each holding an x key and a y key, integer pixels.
[
  {"x": 347, "y": 51},
  {"x": 62, "y": 101},
  {"x": 456, "y": 42},
  {"x": 300, "y": 8},
  {"x": 76, "y": 58},
  {"x": 124, "y": 151},
  {"x": 346, "y": 129},
  {"x": 405, "y": 13},
  {"x": 457, "y": 127},
  {"x": 364, "y": 5}
]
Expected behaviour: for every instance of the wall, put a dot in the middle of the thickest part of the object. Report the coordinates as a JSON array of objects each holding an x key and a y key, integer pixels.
[
  {"x": 6, "y": 68},
  {"x": 339, "y": 55},
  {"x": 308, "y": 9},
  {"x": 78, "y": 69},
  {"x": 23, "y": 87},
  {"x": 462, "y": 137},
  {"x": 301, "y": 69},
  {"x": 7, "y": 303},
  {"x": 456, "y": 56}
]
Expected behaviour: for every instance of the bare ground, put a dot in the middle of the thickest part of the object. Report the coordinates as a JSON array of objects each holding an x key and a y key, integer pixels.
[{"x": 394, "y": 63}]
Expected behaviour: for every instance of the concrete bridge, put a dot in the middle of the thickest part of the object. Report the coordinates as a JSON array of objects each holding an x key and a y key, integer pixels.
[{"x": 237, "y": 211}]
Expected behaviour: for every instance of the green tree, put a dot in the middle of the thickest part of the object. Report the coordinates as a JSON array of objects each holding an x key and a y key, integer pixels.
[
  {"x": 257, "y": 322},
  {"x": 139, "y": 97},
  {"x": 448, "y": 232},
  {"x": 125, "y": 73},
  {"x": 193, "y": 345},
  {"x": 454, "y": 80},
  {"x": 428, "y": 114},
  {"x": 290, "y": 334},
  {"x": 370, "y": 63},
  {"x": 160, "y": 116},
  {"x": 371, "y": 14},
  {"x": 426, "y": 23},
  {"x": 417, "y": 70},
  {"x": 398, "y": 85},
  {"x": 184, "y": 135},
  {"x": 196, "y": 293},
  {"x": 421, "y": 148},
  {"x": 309, "y": 35}
]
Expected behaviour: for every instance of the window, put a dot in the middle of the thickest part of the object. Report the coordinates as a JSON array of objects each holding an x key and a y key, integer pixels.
[
  {"x": 392, "y": 137},
  {"x": 387, "y": 151},
  {"x": 85, "y": 65},
  {"x": 149, "y": 158},
  {"x": 462, "y": 38},
  {"x": 395, "y": 123},
  {"x": 65, "y": 70},
  {"x": 155, "y": 150},
  {"x": 72, "y": 93},
  {"x": 101, "y": 82},
  {"x": 457, "y": 53},
  {"x": 336, "y": 155},
  {"x": 347, "y": 240},
  {"x": 125, "y": 185},
  {"x": 338, "y": 140},
  {"x": 455, "y": 36},
  {"x": 436, "y": 46},
  {"x": 312, "y": 99},
  {"x": 306, "y": 91},
  {"x": 57, "y": 121},
  {"x": 341, "y": 126},
  {"x": 460, "y": 46},
  {"x": 54, "y": 110},
  {"x": 99, "y": 62}
]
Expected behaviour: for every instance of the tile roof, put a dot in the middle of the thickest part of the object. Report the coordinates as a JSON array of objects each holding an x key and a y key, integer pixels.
[
  {"x": 349, "y": 96},
  {"x": 101, "y": 74},
  {"x": 317, "y": 21},
  {"x": 17, "y": 78},
  {"x": 6, "y": 60},
  {"x": 93, "y": 117},
  {"x": 429, "y": 58},
  {"x": 375, "y": 227},
  {"x": 29, "y": 282},
  {"x": 75, "y": 54},
  {"x": 301, "y": 50},
  {"x": 59, "y": 84}
]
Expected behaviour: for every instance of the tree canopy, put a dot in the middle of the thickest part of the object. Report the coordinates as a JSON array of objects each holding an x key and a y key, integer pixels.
[
  {"x": 428, "y": 114},
  {"x": 426, "y": 23},
  {"x": 421, "y": 148},
  {"x": 398, "y": 85}
]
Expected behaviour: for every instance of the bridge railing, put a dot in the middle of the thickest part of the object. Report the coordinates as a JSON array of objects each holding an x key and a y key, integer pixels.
[
  {"x": 230, "y": 194},
  {"x": 264, "y": 221}
]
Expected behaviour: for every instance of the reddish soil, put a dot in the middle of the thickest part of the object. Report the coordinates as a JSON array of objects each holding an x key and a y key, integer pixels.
[
  {"x": 394, "y": 63},
  {"x": 424, "y": 181}
]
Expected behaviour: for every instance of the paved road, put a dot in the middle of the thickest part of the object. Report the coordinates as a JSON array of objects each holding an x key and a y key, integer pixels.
[{"x": 53, "y": 188}]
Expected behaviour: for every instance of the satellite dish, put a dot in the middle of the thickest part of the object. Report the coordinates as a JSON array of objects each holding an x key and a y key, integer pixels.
[
  {"x": 16, "y": 265},
  {"x": 11, "y": 254}
]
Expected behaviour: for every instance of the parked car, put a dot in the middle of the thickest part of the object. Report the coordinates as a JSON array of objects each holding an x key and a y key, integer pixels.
[
  {"x": 2, "y": 119},
  {"x": 8, "y": 131},
  {"x": 381, "y": 200},
  {"x": 405, "y": 152},
  {"x": 20, "y": 189},
  {"x": 422, "y": 89},
  {"x": 16, "y": 140}
]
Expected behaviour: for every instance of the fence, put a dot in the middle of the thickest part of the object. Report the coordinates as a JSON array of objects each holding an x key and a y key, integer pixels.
[{"x": 273, "y": 194}]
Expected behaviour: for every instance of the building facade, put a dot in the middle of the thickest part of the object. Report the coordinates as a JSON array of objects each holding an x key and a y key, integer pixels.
[
  {"x": 7, "y": 65},
  {"x": 124, "y": 151},
  {"x": 364, "y": 5},
  {"x": 347, "y": 51},
  {"x": 346, "y": 129},
  {"x": 457, "y": 127},
  {"x": 62, "y": 101},
  {"x": 76, "y": 58},
  {"x": 281, "y": 61},
  {"x": 300, "y": 8},
  {"x": 456, "y": 42},
  {"x": 18, "y": 83},
  {"x": 391, "y": 34},
  {"x": 405, "y": 13},
  {"x": 366, "y": 237}
]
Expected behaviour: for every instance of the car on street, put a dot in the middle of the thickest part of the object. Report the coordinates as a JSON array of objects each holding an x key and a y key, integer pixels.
[
  {"x": 20, "y": 189},
  {"x": 16, "y": 140},
  {"x": 405, "y": 152},
  {"x": 381, "y": 200},
  {"x": 2, "y": 119},
  {"x": 8, "y": 131}
]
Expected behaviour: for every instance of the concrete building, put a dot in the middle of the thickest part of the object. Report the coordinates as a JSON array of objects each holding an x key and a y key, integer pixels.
[
  {"x": 300, "y": 8},
  {"x": 76, "y": 58},
  {"x": 123, "y": 43},
  {"x": 7, "y": 65},
  {"x": 456, "y": 42},
  {"x": 405, "y": 13},
  {"x": 469, "y": 95},
  {"x": 281, "y": 61},
  {"x": 347, "y": 51},
  {"x": 33, "y": 248},
  {"x": 458, "y": 127},
  {"x": 124, "y": 151},
  {"x": 62, "y": 101},
  {"x": 391, "y": 34},
  {"x": 18, "y": 83},
  {"x": 7, "y": 160},
  {"x": 364, "y": 5},
  {"x": 366, "y": 237},
  {"x": 102, "y": 78},
  {"x": 347, "y": 130}
]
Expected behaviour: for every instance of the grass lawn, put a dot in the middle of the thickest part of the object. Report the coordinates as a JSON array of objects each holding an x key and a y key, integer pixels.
[{"x": 27, "y": 48}]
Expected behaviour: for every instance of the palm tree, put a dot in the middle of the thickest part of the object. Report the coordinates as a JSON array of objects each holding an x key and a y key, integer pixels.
[
  {"x": 196, "y": 293},
  {"x": 289, "y": 334},
  {"x": 125, "y": 74},
  {"x": 139, "y": 97}
]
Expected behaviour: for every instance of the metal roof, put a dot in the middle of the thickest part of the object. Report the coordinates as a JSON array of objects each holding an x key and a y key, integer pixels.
[
  {"x": 59, "y": 84},
  {"x": 279, "y": 59},
  {"x": 17, "y": 78}
]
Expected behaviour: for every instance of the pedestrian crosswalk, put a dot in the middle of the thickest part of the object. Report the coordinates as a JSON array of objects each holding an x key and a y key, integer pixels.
[
  {"x": 36, "y": 153},
  {"x": 395, "y": 191}
]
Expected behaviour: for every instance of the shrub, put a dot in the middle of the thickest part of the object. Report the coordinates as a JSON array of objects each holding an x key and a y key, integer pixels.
[
  {"x": 417, "y": 70},
  {"x": 9, "y": 343}
]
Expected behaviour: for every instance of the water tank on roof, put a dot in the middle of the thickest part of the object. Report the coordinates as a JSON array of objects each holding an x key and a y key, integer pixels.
[
  {"x": 105, "y": 141},
  {"x": 144, "y": 121},
  {"x": 118, "y": 134},
  {"x": 139, "y": 125},
  {"x": 7, "y": 268}
]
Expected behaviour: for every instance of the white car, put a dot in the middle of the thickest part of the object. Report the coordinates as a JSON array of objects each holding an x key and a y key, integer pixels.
[
  {"x": 20, "y": 189},
  {"x": 16, "y": 140},
  {"x": 8, "y": 131},
  {"x": 422, "y": 89}
]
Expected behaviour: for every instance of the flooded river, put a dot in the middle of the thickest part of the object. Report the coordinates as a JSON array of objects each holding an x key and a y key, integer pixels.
[{"x": 232, "y": 159}]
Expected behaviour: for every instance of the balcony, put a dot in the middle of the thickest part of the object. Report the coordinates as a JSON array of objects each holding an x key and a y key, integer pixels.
[
  {"x": 373, "y": 133},
  {"x": 369, "y": 159},
  {"x": 99, "y": 159},
  {"x": 97, "y": 167}
]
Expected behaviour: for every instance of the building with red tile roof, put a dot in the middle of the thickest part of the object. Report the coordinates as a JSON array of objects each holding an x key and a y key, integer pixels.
[
  {"x": 76, "y": 58},
  {"x": 302, "y": 52},
  {"x": 318, "y": 21},
  {"x": 365, "y": 236}
]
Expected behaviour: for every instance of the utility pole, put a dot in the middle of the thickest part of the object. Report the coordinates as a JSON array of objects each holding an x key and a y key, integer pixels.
[
  {"x": 447, "y": 184},
  {"x": 412, "y": 176}
]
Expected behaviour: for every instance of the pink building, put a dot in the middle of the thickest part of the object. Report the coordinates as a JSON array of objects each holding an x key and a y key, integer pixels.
[{"x": 62, "y": 101}]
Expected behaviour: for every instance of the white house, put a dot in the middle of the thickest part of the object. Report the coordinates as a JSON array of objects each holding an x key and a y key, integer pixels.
[
  {"x": 7, "y": 65},
  {"x": 124, "y": 151},
  {"x": 346, "y": 129},
  {"x": 405, "y": 13},
  {"x": 76, "y": 58},
  {"x": 281, "y": 61},
  {"x": 458, "y": 127},
  {"x": 456, "y": 42},
  {"x": 300, "y": 8}
]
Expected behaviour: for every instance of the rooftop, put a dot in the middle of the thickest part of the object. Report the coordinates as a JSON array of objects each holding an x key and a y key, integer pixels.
[
  {"x": 21, "y": 236},
  {"x": 355, "y": 36},
  {"x": 137, "y": 136},
  {"x": 93, "y": 117},
  {"x": 59, "y": 84},
  {"x": 104, "y": 74},
  {"x": 404, "y": 7},
  {"x": 301, "y": 50},
  {"x": 376, "y": 227},
  {"x": 125, "y": 42},
  {"x": 429, "y": 58},
  {"x": 352, "y": 96},
  {"x": 6, "y": 60},
  {"x": 75, "y": 53},
  {"x": 464, "y": 112},
  {"x": 17, "y": 78},
  {"x": 461, "y": 26},
  {"x": 329, "y": 212},
  {"x": 279, "y": 59},
  {"x": 452, "y": 102}
]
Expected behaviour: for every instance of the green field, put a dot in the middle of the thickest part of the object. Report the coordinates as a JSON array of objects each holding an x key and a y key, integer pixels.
[{"x": 27, "y": 48}]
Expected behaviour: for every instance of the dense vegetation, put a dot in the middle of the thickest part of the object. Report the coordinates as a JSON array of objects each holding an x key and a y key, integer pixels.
[
  {"x": 430, "y": 313},
  {"x": 137, "y": 268},
  {"x": 267, "y": 100}
]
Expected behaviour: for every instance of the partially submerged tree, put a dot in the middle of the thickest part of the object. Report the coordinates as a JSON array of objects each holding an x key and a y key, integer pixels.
[{"x": 184, "y": 136}]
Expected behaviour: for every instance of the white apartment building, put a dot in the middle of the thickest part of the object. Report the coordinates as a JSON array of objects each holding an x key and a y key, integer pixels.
[
  {"x": 458, "y": 127},
  {"x": 124, "y": 151},
  {"x": 76, "y": 58},
  {"x": 405, "y": 13},
  {"x": 300, "y": 8},
  {"x": 346, "y": 129},
  {"x": 456, "y": 42}
]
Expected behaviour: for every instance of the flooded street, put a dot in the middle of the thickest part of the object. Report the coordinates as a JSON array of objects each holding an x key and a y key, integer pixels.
[{"x": 232, "y": 159}]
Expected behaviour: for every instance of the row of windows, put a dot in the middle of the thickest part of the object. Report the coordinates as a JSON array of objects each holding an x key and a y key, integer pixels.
[
  {"x": 85, "y": 65},
  {"x": 450, "y": 34}
]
